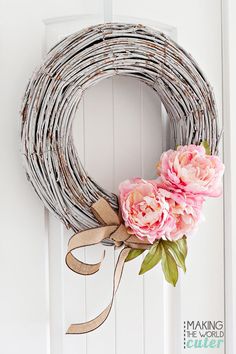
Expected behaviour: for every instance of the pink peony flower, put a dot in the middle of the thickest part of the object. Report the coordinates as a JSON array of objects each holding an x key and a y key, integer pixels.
[
  {"x": 186, "y": 209},
  {"x": 189, "y": 169},
  {"x": 145, "y": 210}
]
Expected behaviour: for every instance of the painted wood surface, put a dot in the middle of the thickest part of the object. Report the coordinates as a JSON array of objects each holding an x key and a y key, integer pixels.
[
  {"x": 40, "y": 296},
  {"x": 120, "y": 132}
]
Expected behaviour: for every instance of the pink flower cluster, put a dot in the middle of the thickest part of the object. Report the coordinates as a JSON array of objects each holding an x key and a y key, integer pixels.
[{"x": 170, "y": 206}]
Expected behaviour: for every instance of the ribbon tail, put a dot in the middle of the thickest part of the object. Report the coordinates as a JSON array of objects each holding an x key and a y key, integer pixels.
[{"x": 86, "y": 327}]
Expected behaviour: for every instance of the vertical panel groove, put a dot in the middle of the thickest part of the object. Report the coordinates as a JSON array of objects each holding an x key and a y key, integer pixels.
[
  {"x": 85, "y": 258},
  {"x": 113, "y": 139},
  {"x": 85, "y": 305},
  {"x": 115, "y": 311},
  {"x": 149, "y": 308},
  {"x": 62, "y": 264},
  {"x": 47, "y": 268},
  {"x": 142, "y": 175},
  {"x": 141, "y": 129},
  {"x": 114, "y": 188}
]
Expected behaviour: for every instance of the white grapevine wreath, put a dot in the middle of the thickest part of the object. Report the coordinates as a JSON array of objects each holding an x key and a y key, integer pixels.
[{"x": 152, "y": 215}]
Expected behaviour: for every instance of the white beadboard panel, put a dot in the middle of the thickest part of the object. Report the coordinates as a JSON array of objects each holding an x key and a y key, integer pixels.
[
  {"x": 128, "y": 158},
  {"x": 157, "y": 23},
  {"x": 74, "y": 305},
  {"x": 56, "y": 282},
  {"x": 201, "y": 292},
  {"x": 203, "y": 285},
  {"x": 58, "y": 28},
  {"x": 75, "y": 286},
  {"x": 151, "y": 131},
  {"x": 37, "y": 290},
  {"x": 120, "y": 132},
  {"x": 67, "y": 290},
  {"x": 99, "y": 162},
  {"x": 127, "y": 129},
  {"x": 172, "y": 319},
  {"x": 151, "y": 147},
  {"x": 98, "y": 296},
  {"x": 98, "y": 133}
]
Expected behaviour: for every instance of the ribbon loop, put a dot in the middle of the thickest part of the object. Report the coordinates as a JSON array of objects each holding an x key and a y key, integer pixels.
[
  {"x": 82, "y": 239},
  {"x": 112, "y": 228}
]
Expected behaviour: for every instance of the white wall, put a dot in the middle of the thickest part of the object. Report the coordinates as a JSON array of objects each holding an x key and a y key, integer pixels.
[
  {"x": 229, "y": 71},
  {"x": 36, "y": 293},
  {"x": 23, "y": 244}
]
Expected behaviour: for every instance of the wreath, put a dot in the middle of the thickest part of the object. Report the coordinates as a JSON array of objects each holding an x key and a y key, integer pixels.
[{"x": 153, "y": 216}]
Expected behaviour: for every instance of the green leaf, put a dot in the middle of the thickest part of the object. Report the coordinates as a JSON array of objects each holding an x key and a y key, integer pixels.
[
  {"x": 176, "y": 253},
  {"x": 182, "y": 245},
  {"x": 169, "y": 266},
  {"x": 152, "y": 258},
  {"x": 133, "y": 254},
  {"x": 206, "y": 145}
]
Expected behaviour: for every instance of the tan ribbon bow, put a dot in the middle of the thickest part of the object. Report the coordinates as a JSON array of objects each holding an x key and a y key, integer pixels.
[{"x": 112, "y": 228}]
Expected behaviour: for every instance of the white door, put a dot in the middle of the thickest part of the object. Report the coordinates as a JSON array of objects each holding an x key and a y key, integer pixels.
[{"x": 40, "y": 297}]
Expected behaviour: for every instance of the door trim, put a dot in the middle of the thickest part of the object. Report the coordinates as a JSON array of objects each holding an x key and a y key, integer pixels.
[{"x": 228, "y": 27}]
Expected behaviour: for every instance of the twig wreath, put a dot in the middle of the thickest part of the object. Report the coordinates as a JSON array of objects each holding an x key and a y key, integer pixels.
[{"x": 155, "y": 216}]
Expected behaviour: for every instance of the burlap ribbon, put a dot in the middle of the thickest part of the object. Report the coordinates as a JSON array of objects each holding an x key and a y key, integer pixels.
[{"x": 112, "y": 228}]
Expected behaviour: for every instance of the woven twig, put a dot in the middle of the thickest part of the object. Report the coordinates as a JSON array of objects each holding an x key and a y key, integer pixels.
[{"x": 55, "y": 90}]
